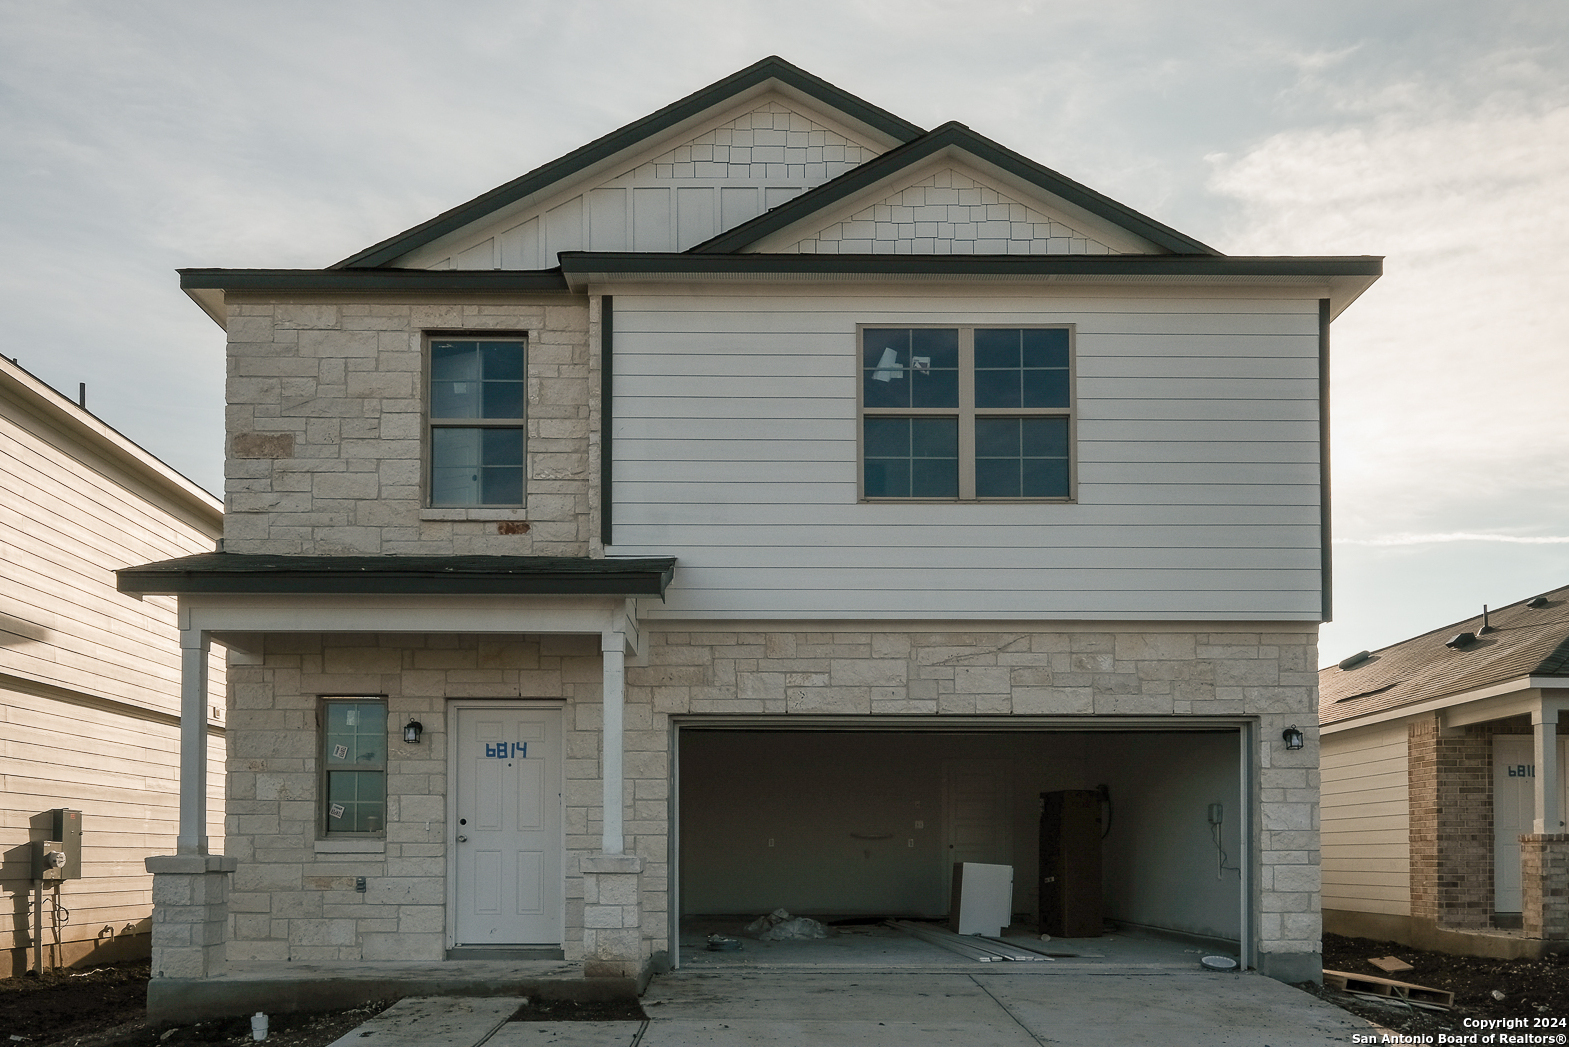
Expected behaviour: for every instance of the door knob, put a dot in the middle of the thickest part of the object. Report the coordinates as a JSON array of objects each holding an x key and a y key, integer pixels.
[{"x": 463, "y": 839}]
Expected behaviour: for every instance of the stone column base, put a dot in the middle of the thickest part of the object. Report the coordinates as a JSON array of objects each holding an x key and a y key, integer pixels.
[
  {"x": 612, "y": 916},
  {"x": 190, "y": 913},
  {"x": 1544, "y": 881}
]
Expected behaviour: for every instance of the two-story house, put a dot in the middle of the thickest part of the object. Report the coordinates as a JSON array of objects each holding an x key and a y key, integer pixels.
[{"x": 760, "y": 506}]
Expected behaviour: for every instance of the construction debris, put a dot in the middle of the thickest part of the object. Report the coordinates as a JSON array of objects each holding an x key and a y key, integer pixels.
[
  {"x": 780, "y": 926},
  {"x": 972, "y": 946},
  {"x": 1390, "y": 965},
  {"x": 1388, "y": 988}
]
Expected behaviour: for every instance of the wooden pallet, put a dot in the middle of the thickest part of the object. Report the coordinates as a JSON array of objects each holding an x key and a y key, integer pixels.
[{"x": 1371, "y": 985}]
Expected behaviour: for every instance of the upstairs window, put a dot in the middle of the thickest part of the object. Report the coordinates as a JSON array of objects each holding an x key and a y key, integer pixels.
[
  {"x": 967, "y": 413},
  {"x": 476, "y": 422}
]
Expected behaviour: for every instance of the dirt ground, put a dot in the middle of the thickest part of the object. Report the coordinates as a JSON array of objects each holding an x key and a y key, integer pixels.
[
  {"x": 104, "y": 1007},
  {"x": 1522, "y": 989}
]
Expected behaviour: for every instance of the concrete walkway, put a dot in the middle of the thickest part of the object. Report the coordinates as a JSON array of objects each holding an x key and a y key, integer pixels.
[{"x": 1009, "y": 1008}]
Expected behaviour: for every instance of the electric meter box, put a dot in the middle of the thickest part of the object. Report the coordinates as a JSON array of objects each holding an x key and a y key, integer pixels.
[
  {"x": 67, "y": 830},
  {"x": 48, "y": 861}
]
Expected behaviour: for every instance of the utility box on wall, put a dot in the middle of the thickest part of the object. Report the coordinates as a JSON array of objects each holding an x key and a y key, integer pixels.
[
  {"x": 65, "y": 837},
  {"x": 1071, "y": 863}
]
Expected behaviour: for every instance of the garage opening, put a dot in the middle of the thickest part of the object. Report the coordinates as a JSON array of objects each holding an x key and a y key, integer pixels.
[{"x": 846, "y": 825}]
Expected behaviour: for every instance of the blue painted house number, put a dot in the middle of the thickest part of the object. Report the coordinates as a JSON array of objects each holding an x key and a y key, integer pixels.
[
  {"x": 507, "y": 750},
  {"x": 1523, "y": 770}
]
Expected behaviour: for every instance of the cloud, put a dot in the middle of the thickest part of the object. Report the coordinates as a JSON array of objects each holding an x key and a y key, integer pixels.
[
  {"x": 1454, "y": 536},
  {"x": 1447, "y": 375}
]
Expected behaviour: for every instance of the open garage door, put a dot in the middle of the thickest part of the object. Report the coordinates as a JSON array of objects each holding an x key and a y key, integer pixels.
[{"x": 837, "y": 823}]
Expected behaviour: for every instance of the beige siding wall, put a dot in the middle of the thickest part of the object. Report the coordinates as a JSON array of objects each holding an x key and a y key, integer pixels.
[
  {"x": 326, "y": 430},
  {"x": 89, "y": 678},
  {"x": 1196, "y": 437},
  {"x": 1367, "y": 848}
]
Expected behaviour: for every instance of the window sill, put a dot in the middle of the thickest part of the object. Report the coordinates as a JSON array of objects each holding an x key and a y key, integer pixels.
[
  {"x": 487, "y": 513},
  {"x": 351, "y": 846}
]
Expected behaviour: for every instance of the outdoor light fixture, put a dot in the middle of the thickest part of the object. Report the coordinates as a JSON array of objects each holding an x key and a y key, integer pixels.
[
  {"x": 1292, "y": 736},
  {"x": 413, "y": 729}
]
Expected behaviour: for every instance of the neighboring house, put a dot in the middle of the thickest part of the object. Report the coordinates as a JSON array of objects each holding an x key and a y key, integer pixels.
[
  {"x": 89, "y": 676},
  {"x": 760, "y": 506},
  {"x": 1443, "y": 810}
]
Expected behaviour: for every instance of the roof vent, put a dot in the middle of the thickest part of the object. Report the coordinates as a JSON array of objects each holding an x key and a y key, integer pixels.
[
  {"x": 1536, "y": 601},
  {"x": 1355, "y": 659},
  {"x": 1486, "y": 628},
  {"x": 1461, "y": 640}
]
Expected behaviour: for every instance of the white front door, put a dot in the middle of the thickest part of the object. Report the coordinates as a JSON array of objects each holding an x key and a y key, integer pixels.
[
  {"x": 1514, "y": 810},
  {"x": 507, "y": 830}
]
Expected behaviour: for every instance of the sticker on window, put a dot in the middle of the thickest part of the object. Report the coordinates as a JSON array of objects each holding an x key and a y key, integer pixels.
[
  {"x": 335, "y": 811},
  {"x": 351, "y": 717},
  {"x": 340, "y": 752}
]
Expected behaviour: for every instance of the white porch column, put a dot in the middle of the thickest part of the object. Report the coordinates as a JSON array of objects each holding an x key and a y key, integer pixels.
[
  {"x": 612, "y": 744},
  {"x": 194, "y": 645},
  {"x": 1544, "y": 729}
]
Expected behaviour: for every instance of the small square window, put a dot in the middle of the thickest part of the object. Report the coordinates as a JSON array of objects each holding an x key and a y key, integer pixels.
[{"x": 477, "y": 411}]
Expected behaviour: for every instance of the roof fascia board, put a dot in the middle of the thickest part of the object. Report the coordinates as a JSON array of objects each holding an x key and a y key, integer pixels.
[
  {"x": 53, "y": 408},
  {"x": 754, "y": 79},
  {"x": 247, "y": 615},
  {"x": 396, "y": 281},
  {"x": 969, "y": 143},
  {"x": 1479, "y": 694}
]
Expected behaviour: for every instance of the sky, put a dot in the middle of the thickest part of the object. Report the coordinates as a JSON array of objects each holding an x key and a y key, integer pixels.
[{"x": 142, "y": 136}]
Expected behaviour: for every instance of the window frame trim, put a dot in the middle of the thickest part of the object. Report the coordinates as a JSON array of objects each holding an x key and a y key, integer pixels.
[
  {"x": 429, "y": 424},
  {"x": 323, "y": 832},
  {"x": 966, "y": 412}
]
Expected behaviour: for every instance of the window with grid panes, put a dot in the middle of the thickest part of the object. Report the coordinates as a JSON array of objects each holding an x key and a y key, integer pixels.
[
  {"x": 476, "y": 421},
  {"x": 354, "y": 766},
  {"x": 966, "y": 413}
]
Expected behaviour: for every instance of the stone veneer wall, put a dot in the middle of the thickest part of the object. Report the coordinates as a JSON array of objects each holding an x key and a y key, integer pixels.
[
  {"x": 326, "y": 430},
  {"x": 1050, "y": 670},
  {"x": 289, "y": 902},
  {"x": 1451, "y": 796}
]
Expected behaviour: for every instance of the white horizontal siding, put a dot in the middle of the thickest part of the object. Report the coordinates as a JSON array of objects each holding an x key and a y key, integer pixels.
[
  {"x": 1366, "y": 820},
  {"x": 1197, "y": 462},
  {"x": 120, "y": 769}
]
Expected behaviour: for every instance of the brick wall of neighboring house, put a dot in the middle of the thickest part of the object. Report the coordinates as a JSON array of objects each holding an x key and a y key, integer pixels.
[
  {"x": 326, "y": 430},
  {"x": 290, "y": 902},
  {"x": 1451, "y": 791}
]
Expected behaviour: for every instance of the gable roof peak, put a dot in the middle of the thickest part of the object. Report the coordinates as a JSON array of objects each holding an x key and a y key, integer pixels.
[{"x": 754, "y": 78}]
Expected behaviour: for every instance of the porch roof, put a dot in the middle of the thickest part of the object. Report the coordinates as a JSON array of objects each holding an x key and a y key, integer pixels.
[{"x": 258, "y": 574}]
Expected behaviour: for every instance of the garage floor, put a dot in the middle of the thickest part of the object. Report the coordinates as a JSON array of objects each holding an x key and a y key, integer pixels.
[{"x": 874, "y": 946}]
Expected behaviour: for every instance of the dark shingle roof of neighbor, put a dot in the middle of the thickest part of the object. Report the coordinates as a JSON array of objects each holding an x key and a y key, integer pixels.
[
  {"x": 1525, "y": 641},
  {"x": 409, "y": 575}
]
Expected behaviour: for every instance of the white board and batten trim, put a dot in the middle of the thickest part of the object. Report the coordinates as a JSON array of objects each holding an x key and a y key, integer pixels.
[
  {"x": 1365, "y": 820},
  {"x": 1197, "y": 442}
]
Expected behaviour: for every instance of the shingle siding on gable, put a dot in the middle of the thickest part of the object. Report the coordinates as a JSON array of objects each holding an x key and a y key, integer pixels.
[
  {"x": 950, "y": 213},
  {"x": 686, "y": 194}
]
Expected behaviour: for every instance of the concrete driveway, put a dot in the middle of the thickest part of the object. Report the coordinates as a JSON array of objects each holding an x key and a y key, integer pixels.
[{"x": 1007, "y": 1008}]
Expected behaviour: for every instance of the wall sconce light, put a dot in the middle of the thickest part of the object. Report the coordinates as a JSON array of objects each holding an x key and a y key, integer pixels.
[
  {"x": 1292, "y": 736},
  {"x": 413, "y": 729}
]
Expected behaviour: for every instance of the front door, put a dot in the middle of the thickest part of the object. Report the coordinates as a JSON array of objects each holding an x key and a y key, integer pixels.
[
  {"x": 1514, "y": 810},
  {"x": 507, "y": 833}
]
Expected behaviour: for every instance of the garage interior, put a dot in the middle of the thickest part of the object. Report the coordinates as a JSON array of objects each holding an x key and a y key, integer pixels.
[{"x": 852, "y": 825}]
